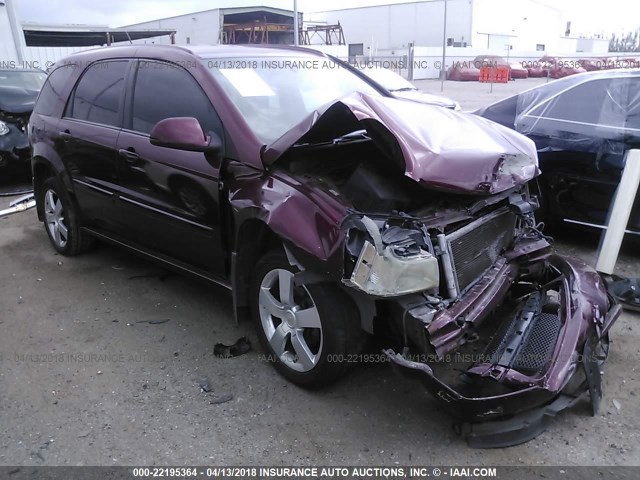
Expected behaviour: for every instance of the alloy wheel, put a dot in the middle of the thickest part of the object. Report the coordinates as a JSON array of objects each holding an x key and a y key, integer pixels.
[
  {"x": 290, "y": 320},
  {"x": 55, "y": 218}
]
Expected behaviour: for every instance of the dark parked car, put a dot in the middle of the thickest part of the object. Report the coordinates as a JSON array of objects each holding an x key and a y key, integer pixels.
[
  {"x": 330, "y": 211},
  {"x": 582, "y": 126},
  {"x": 18, "y": 92}
]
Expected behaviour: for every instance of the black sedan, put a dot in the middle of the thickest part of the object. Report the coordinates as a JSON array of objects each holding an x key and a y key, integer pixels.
[
  {"x": 582, "y": 127},
  {"x": 19, "y": 89}
]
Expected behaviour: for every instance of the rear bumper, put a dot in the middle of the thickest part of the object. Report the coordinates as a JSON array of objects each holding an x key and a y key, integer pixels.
[{"x": 520, "y": 410}]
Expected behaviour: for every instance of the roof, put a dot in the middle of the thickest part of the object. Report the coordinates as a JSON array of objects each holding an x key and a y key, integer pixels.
[{"x": 170, "y": 52}]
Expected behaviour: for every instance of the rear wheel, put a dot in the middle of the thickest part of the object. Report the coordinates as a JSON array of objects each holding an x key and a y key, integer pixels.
[
  {"x": 306, "y": 330},
  {"x": 61, "y": 220}
]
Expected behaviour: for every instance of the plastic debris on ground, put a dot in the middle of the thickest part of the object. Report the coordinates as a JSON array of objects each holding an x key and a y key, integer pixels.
[
  {"x": 625, "y": 290},
  {"x": 242, "y": 346}
]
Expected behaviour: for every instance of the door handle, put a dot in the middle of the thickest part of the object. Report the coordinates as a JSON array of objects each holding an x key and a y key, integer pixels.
[
  {"x": 65, "y": 136},
  {"x": 128, "y": 155}
]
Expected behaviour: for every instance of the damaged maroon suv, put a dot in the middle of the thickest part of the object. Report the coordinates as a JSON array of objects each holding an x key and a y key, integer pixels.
[{"x": 330, "y": 210}]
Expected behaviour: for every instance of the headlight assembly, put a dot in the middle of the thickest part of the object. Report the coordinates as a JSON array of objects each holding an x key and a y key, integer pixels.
[
  {"x": 4, "y": 129},
  {"x": 392, "y": 275}
]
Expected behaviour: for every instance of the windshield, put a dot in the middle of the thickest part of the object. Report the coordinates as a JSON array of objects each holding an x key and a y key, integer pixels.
[
  {"x": 273, "y": 94},
  {"x": 388, "y": 79},
  {"x": 28, "y": 80}
]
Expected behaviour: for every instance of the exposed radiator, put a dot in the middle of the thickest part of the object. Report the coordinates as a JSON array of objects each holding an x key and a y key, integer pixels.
[{"x": 476, "y": 246}]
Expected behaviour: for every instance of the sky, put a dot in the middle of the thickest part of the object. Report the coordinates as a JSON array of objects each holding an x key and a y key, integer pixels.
[{"x": 587, "y": 16}]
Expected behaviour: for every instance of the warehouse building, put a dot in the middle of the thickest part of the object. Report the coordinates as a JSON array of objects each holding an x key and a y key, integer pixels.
[
  {"x": 493, "y": 25},
  {"x": 39, "y": 46},
  {"x": 228, "y": 25}
]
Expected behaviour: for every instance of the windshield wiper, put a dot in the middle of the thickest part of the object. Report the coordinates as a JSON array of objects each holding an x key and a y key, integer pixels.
[
  {"x": 349, "y": 137},
  {"x": 404, "y": 89}
]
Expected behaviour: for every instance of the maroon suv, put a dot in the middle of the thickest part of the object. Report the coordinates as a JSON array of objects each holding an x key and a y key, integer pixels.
[{"x": 330, "y": 211}]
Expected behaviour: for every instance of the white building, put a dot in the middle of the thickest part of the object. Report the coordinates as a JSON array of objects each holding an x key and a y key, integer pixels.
[
  {"x": 29, "y": 45},
  {"x": 227, "y": 25},
  {"x": 493, "y": 25},
  {"x": 11, "y": 40}
]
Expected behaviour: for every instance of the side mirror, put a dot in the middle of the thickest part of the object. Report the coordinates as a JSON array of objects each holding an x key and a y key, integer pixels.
[{"x": 184, "y": 133}]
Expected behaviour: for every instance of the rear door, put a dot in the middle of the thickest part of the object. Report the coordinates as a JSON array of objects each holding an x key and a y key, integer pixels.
[
  {"x": 169, "y": 198},
  {"x": 87, "y": 138}
]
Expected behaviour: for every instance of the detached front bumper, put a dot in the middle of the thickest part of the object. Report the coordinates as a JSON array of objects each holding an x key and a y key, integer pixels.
[{"x": 520, "y": 400}]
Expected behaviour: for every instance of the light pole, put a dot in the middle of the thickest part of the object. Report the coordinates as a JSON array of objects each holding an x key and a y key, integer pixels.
[
  {"x": 296, "y": 33},
  {"x": 443, "y": 72}
]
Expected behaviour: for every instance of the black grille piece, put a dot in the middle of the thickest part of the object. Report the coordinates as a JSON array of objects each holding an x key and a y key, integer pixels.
[
  {"x": 525, "y": 342},
  {"x": 479, "y": 246},
  {"x": 535, "y": 353}
]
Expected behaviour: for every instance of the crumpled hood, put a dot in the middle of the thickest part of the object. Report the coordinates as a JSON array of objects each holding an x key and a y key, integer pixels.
[
  {"x": 17, "y": 99},
  {"x": 437, "y": 147}
]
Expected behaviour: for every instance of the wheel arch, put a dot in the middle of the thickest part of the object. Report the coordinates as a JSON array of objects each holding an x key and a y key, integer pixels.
[
  {"x": 42, "y": 170},
  {"x": 253, "y": 239}
]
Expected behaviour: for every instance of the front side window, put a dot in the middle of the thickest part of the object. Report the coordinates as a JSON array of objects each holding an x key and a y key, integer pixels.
[
  {"x": 98, "y": 95},
  {"x": 163, "y": 91}
]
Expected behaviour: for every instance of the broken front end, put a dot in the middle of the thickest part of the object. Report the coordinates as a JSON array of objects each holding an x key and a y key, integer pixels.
[
  {"x": 14, "y": 143},
  {"x": 443, "y": 257},
  {"x": 498, "y": 328}
]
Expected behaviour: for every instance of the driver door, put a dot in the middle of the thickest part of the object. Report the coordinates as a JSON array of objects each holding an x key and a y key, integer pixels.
[{"x": 169, "y": 198}]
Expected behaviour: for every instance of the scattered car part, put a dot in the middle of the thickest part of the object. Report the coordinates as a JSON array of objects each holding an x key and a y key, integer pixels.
[
  {"x": 625, "y": 290},
  {"x": 155, "y": 322},
  {"x": 221, "y": 399},
  {"x": 19, "y": 205},
  {"x": 242, "y": 346},
  {"x": 204, "y": 385}
]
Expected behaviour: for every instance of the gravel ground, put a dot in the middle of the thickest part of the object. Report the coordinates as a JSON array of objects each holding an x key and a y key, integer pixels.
[
  {"x": 86, "y": 379},
  {"x": 92, "y": 374}
]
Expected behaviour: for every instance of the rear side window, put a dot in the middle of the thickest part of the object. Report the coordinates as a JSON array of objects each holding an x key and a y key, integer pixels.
[
  {"x": 163, "y": 91},
  {"x": 51, "y": 93},
  {"x": 98, "y": 95}
]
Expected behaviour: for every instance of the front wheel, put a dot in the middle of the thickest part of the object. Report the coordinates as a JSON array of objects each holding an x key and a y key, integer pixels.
[{"x": 308, "y": 331}]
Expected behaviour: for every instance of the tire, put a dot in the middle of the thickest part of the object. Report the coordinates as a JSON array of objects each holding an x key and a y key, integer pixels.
[
  {"x": 61, "y": 220},
  {"x": 310, "y": 356}
]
